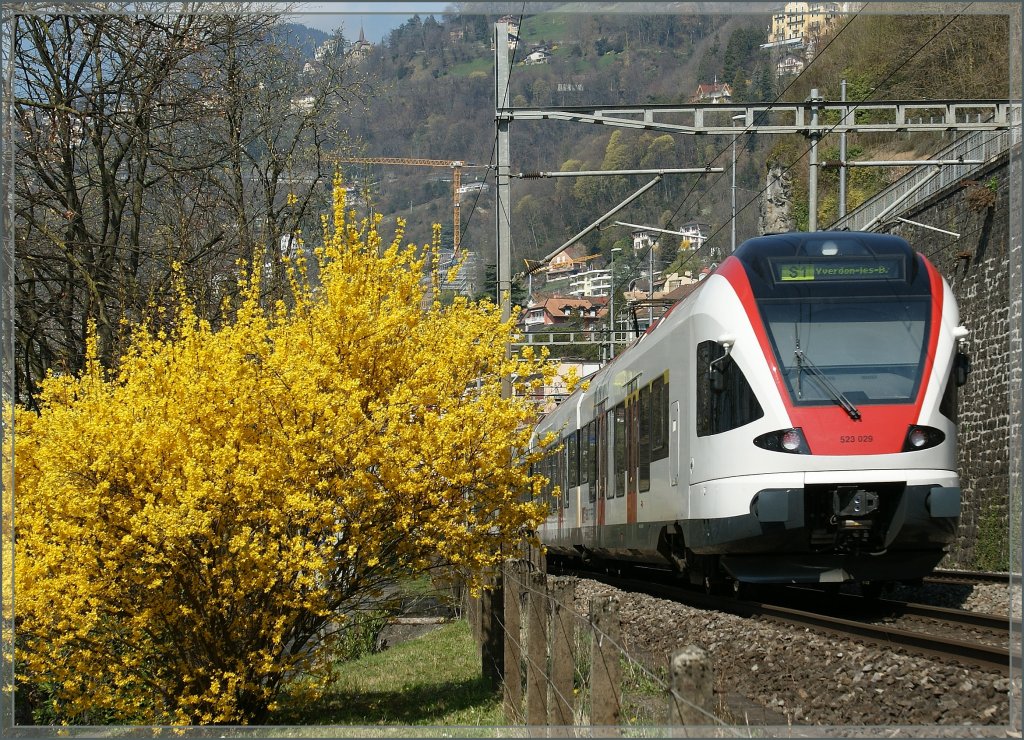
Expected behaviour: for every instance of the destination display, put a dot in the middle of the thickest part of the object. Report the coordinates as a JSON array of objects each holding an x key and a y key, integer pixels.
[{"x": 845, "y": 269}]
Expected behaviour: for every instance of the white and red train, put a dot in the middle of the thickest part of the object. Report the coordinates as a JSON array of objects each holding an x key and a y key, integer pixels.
[{"x": 793, "y": 420}]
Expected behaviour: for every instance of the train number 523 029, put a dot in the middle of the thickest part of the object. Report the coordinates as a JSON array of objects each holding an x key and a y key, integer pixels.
[{"x": 851, "y": 438}]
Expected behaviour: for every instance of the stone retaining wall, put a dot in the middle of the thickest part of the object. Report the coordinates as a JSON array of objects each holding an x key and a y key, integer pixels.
[{"x": 978, "y": 268}]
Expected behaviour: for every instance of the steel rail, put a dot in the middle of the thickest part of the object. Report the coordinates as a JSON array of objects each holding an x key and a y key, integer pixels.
[
  {"x": 986, "y": 657},
  {"x": 982, "y": 656}
]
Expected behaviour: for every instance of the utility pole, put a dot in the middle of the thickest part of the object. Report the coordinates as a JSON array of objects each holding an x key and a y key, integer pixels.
[
  {"x": 739, "y": 117},
  {"x": 492, "y": 624},
  {"x": 611, "y": 308},
  {"x": 842, "y": 155},
  {"x": 812, "y": 180},
  {"x": 650, "y": 267}
]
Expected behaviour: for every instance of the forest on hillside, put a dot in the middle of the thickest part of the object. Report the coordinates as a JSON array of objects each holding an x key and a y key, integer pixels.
[
  {"x": 180, "y": 145},
  {"x": 439, "y": 104},
  {"x": 437, "y": 101}
]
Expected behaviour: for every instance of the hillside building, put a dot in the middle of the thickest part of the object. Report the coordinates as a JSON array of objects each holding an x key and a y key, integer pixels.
[
  {"x": 587, "y": 316},
  {"x": 788, "y": 65},
  {"x": 715, "y": 92},
  {"x": 569, "y": 261},
  {"x": 694, "y": 234},
  {"x": 540, "y": 56},
  {"x": 361, "y": 48},
  {"x": 797, "y": 27},
  {"x": 590, "y": 283}
]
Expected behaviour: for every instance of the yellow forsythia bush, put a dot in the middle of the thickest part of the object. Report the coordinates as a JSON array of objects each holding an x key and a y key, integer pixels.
[{"x": 192, "y": 526}]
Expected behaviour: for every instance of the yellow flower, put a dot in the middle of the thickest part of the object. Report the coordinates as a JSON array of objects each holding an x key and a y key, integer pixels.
[{"x": 186, "y": 519}]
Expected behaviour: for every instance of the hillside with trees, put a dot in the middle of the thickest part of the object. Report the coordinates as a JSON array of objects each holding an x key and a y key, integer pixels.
[{"x": 439, "y": 104}]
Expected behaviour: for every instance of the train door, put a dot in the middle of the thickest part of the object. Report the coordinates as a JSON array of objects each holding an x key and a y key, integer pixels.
[
  {"x": 572, "y": 468},
  {"x": 602, "y": 461},
  {"x": 617, "y": 452},
  {"x": 563, "y": 489},
  {"x": 632, "y": 458},
  {"x": 675, "y": 444}
]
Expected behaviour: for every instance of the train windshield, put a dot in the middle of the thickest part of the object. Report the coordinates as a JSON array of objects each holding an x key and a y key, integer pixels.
[{"x": 849, "y": 351}]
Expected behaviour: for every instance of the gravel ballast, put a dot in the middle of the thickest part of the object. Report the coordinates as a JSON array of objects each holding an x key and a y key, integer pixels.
[{"x": 770, "y": 675}]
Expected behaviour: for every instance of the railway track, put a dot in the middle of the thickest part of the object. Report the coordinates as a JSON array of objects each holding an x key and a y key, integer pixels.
[
  {"x": 967, "y": 577},
  {"x": 969, "y": 638}
]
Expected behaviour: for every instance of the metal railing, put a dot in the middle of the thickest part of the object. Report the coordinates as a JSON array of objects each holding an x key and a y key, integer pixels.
[
  {"x": 588, "y": 336},
  {"x": 924, "y": 182}
]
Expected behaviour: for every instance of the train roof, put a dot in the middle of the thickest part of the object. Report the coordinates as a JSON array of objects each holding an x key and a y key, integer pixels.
[
  {"x": 824, "y": 243},
  {"x": 858, "y": 256}
]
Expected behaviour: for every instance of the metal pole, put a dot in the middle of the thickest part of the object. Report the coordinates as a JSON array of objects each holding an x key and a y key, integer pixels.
[
  {"x": 812, "y": 175},
  {"x": 842, "y": 156},
  {"x": 611, "y": 308},
  {"x": 502, "y": 72},
  {"x": 734, "y": 137},
  {"x": 650, "y": 266},
  {"x": 733, "y": 219},
  {"x": 605, "y": 217},
  {"x": 492, "y": 639}
]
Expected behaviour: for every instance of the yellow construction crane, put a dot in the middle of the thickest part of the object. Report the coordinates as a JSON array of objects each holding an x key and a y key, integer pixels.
[{"x": 456, "y": 166}]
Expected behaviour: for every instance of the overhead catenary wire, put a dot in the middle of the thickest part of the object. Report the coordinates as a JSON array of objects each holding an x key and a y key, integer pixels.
[
  {"x": 853, "y": 107},
  {"x": 746, "y": 129}
]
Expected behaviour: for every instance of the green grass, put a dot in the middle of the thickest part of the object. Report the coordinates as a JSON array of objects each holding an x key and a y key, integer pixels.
[
  {"x": 482, "y": 65},
  {"x": 432, "y": 680},
  {"x": 553, "y": 27}
]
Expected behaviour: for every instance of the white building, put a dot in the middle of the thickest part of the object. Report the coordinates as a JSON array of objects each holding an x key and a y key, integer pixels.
[
  {"x": 591, "y": 283},
  {"x": 694, "y": 234},
  {"x": 474, "y": 187},
  {"x": 643, "y": 240}
]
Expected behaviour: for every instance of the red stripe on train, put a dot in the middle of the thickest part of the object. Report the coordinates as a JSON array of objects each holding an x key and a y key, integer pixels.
[{"x": 829, "y": 430}]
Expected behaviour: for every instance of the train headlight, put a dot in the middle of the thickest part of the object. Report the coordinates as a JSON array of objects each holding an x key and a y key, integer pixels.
[
  {"x": 784, "y": 440},
  {"x": 921, "y": 438},
  {"x": 791, "y": 440}
]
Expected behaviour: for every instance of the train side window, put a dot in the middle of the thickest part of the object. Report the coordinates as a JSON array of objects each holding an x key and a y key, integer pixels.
[
  {"x": 659, "y": 420},
  {"x": 619, "y": 463},
  {"x": 950, "y": 403},
  {"x": 644, "y": 451},
  {"x": 725, "y": 399},
  {"x": 549, "y": 489}
]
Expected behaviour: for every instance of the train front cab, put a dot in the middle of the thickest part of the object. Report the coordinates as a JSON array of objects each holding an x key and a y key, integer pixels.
[{"x": 824, "y": 444}]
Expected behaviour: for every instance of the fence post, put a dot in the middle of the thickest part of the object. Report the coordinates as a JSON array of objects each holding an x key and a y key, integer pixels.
[
  {"x": 605, "y": 670},
  {"x": 492, "y": 630},
  {"x": 513, "y": 684},
  {"x": 692, "y": 681},
  {"x": 563, "y": 667},
  {"x": 537, "y": 652}
]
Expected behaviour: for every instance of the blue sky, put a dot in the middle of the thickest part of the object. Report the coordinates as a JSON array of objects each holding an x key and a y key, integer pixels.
[{"x": 376, "y": 18}]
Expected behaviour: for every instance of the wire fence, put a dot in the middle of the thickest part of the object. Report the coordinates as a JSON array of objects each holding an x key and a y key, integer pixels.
[{"x": 567, "y": 668}]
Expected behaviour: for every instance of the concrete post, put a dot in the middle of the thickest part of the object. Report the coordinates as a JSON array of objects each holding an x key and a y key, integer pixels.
[
  {"x": 512, "y": 696},
  {"x": 563, "y": 667},
  {"x": 605, "y": 670},
  {"x": 692, "y": 684},
  {"x": 537, "y": 651}
]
